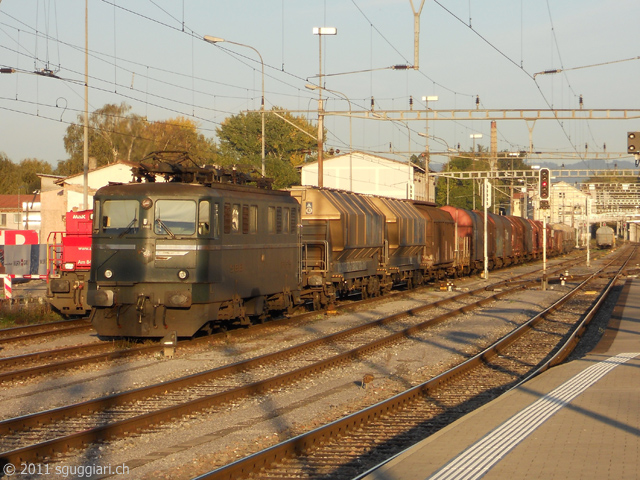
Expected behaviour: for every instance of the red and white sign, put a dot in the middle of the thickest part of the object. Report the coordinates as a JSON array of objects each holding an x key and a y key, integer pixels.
[{"x": 18, "y": 237}]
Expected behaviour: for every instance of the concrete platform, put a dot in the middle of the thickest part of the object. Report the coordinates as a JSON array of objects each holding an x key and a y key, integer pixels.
[{"x": 579, "y": 420}]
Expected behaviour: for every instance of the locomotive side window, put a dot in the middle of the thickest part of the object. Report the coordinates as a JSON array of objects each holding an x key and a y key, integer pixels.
[
  {"x": 235, "y": 218},
  {"x": 120, "y": 216},
  {"x": 175, "y": 217},
  {"x": 204, "y": 218},
  {"x": 285, "y": 220},
  {"x": 271, "y": 220},
  {"x": 245, "y": 219},
  {"x": 253, "y": 219},
  {"x": 227, "y": 218}
]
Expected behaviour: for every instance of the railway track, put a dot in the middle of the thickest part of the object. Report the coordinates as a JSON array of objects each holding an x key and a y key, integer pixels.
[
  {"x": 31, "y": 365},
  {"x": 41, "y": 330},
  {"x": 43, "y": 435},
  {"x": 352, "y": 445}
]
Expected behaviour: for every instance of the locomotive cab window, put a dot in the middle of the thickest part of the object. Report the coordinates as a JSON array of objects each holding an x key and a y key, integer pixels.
[
  {"x": 120, "y": 216},
  {"x": 175, "y": 217}
]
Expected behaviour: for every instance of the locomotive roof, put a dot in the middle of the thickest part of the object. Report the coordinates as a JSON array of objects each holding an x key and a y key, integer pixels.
[
  {"x": 174, "y": 188},
  {"x": 181, "y": 173}
]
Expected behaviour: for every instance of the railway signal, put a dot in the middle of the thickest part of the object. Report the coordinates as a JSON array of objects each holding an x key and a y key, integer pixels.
[
  {"x": 633, "y": 142},
  {"x": 544, "y": 184}
]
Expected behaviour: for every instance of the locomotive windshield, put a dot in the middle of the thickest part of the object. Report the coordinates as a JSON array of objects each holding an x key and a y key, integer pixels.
[
  {"x": 175, "y": 217},
  {"x": 120, "y": 216}
]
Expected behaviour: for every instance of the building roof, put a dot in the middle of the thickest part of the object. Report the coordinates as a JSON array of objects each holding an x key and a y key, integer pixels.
[
  {"x": 368, "y": 156},
  {"x": 63, "y": 180},
  {"x": 12, "y": 202}
]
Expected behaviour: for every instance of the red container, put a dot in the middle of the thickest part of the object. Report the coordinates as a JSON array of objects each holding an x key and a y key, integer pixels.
[
  {"x": 79, "y": 223},
  {"x": 76, "y": 250}
]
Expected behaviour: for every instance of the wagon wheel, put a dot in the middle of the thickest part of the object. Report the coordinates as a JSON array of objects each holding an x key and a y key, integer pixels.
[
  {"x": 317, "y": 301},
  {"x": 265, "y": 312},
  {"x": 374, "y": 287},
  {"x": 364, "y": 289}
]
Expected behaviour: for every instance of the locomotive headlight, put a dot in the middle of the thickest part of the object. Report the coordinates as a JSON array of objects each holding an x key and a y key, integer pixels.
[
  {"x": 108, "y": 274},
  {"x": 183, "y": 274},
  {"x": 146, "y": 203},
  {"x": 69, "y": 266}
]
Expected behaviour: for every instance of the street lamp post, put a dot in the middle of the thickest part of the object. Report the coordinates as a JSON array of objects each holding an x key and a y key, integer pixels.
[
  {"x": 214, "y": 40},
  {"x": 320, "y": 31},
  {"x": 316, "y": 87}
]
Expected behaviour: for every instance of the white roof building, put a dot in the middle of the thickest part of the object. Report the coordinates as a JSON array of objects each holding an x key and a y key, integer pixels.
[
  {"x": 61, "y": 195},
  {"x": 370, "y": 174}
]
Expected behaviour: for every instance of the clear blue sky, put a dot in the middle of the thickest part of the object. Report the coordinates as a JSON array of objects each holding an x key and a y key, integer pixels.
[{"x": 150, "y": 54}]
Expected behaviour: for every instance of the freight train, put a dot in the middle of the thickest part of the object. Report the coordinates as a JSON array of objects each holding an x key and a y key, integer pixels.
[
  {"x": 68, "y": 265},
  {"x": 206, "y": 248}
]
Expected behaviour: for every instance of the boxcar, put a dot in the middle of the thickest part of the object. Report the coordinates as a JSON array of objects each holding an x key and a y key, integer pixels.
[
  {"x": 469, "y": 247},
  {"x": 605, "y": 237},
  {"x": 438, "y": 258}
]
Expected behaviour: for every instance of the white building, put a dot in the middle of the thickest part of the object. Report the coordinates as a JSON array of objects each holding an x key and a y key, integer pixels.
[
  {"x": 61, "y": 195},
  {"x": 370, "y": 174},
  {"x": 567, "y": 205}
]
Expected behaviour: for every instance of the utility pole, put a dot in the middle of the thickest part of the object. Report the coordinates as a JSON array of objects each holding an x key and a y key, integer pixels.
[
  {"x": 85, "y": 188},
  {"x": 320, "y": 31},
  {"x": 486, "y": 200}
]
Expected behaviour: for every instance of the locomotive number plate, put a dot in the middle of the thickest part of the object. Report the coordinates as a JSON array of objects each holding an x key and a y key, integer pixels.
[{"x": 236, "y": 268}]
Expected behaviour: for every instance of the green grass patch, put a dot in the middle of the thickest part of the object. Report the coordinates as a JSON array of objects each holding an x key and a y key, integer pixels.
[{"x": 17, "y": 315}]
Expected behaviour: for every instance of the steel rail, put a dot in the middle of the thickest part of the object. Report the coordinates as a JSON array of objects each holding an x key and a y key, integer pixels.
[
  {"x": 134, "y": 424},
  {"x": 28, "y": 332},
  {"x": 31, "y": 372},
  {"x": 32, "y": 336},
  {"x": 310, "y": 440}
]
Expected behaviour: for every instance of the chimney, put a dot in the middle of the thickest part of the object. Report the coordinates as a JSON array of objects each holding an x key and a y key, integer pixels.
[{"x": 494, "y": 146}]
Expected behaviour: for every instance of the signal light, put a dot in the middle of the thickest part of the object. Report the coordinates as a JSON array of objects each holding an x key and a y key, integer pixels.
[
  {"x": 544, "y": 184},
  {"x": 633, "y": 142}
]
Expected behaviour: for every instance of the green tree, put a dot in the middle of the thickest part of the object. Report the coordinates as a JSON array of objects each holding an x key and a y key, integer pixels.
[
  {"x": 286, "y": 144},
  {"x": 29, "y": 169},
  {"x": 116, "y": 134},
  {"x": 463, "y": 192},
  {"x": 22, "y": 177},
  {"x": 10, "y": 178}
]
